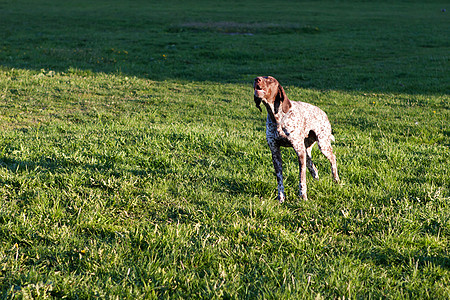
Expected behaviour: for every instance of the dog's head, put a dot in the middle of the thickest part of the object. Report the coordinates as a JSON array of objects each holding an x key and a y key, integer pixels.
[{"x": 269, "y": 91}]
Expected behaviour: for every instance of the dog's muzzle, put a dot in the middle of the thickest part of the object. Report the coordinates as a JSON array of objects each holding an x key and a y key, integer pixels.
[{"x": 260, "y": 94}]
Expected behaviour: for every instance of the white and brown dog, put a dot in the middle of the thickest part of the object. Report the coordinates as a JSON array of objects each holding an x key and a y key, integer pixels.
[{"x": 293, "y": 124}]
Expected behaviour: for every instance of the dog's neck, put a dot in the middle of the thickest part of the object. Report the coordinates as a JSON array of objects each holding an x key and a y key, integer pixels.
[{"x": 274, "y": 111}]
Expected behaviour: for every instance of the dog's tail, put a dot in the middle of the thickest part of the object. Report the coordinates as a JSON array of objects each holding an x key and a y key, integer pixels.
[{"x": 332, "y": 138}]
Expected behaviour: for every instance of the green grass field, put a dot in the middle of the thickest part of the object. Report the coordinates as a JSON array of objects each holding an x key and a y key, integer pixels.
[{"x": 133, "y": 162}]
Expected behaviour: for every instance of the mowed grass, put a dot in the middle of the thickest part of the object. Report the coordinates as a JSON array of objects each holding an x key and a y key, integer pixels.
[{"x": 133, "y": 163}]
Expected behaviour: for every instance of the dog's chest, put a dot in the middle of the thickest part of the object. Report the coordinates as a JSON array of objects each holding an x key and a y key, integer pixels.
[{"x": 277, "y": 133}]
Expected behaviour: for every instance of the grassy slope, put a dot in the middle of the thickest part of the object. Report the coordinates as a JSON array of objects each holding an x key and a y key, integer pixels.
[{"x": 133, "y": 162}]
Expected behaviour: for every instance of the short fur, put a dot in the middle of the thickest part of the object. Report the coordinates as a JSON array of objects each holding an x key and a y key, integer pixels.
[{"x": 293, "y": 124}]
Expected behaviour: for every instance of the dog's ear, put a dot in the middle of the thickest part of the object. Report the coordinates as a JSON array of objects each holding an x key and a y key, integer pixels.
[
  {"x": 283, "y": 99},
  {"x": 258, "y": 103},
  {"x": 257, "y": 100}
]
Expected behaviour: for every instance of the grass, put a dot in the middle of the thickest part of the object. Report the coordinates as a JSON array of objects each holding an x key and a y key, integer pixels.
[{"x": 133, "y": 163}]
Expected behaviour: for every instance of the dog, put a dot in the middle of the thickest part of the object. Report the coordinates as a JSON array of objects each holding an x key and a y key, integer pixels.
[{"x": 293, "y": 124}]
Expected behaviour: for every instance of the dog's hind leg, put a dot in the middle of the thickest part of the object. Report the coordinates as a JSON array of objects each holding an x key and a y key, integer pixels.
[
  {"x": 310, "y": 165},
  {"x": 309, "y": 143},
  {"x": 327, "y": 150}
]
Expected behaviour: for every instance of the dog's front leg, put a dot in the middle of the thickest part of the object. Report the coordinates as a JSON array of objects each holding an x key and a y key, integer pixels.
[
  {"x": 278, "y": 165},
  {"x": 301, "y": 154}
]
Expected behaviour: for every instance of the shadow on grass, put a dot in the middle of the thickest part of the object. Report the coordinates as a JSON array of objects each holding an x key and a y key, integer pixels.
[
  {"x": 240, "y": 186},
  {"x": 173, "y": 42},
  {"x": 389, "y": 257}
]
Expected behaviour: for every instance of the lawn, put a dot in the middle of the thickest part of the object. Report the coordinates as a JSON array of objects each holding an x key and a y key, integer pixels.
[{"x": 133, "y": 161}]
